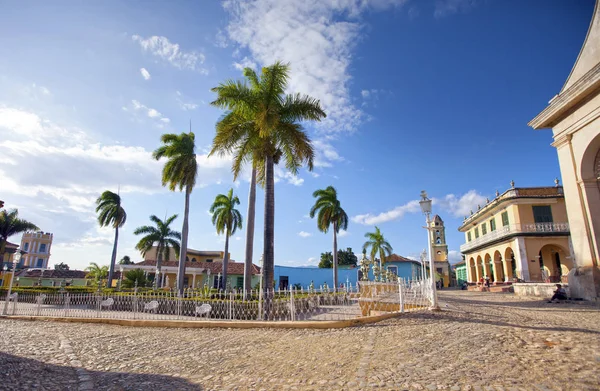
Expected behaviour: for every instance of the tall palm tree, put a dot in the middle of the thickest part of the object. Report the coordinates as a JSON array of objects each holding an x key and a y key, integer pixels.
[
  {"x": 227, "y": 219},
  {"x": 329, "y": 212},
  {"x": 180, "y": 171},
  {"x": 378, "y": 244},
  {"x": 126, "y": 260},
  {"x": 96, "y": 272},
  {"x": 11, "y": 224},
  {"x": 163, "y": 237},
  {"x": 261, "y": 123},
  {"x": 111, "y": 213}
]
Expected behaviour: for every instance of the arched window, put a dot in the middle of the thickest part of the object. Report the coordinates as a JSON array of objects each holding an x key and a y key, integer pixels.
[
  {"x": 438, "y": 241},
  {"x": 439, "y": 253},
  {"x": 193, "y": 259},
  {"x": 437, "y": 232},
  {"x": 187, "y": 259}
]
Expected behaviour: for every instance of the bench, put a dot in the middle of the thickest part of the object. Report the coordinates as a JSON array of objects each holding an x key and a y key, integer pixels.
[
  {"x": 151, "y": 306},
  {"x": 203, "y": 309},
  {"x": 107, "y": 303}
]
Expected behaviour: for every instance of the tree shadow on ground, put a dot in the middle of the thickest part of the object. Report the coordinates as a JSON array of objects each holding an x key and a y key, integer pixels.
[
  {"x": 540, "y": 305},
  {"x": 20, "y": 373}
]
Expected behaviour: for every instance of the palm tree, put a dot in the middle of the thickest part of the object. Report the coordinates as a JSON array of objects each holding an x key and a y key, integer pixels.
[
  {"x": 132, "y": 276},
  {"x": 226, "y": 218},
  {"x": 11, "y": 224},
  {"x": 180, "y": 171},
  {"x": 96, "y": 273},
  {"x": 378, "y": 244},
  {"x": 328, "y": 210},
  {"x": 126, "y": 260},
  {"x": 163, "y": 237},
  {"x": 260, "y": 124},
  {"x": 111, "y": 213}
]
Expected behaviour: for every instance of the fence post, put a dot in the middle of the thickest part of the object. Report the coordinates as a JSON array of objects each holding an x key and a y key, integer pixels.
[
  {"x": 67, "y": 298},
  {"x": 98, "y": 299},
  {"x": 231, "y": 305},
  {"x": 401, "y": 295},
  {"x": 39, "y": 305},
  {"x": 134, "y": 304},
  {"x": 292, "y": 310},
  {"x": 16, "y": 299}
]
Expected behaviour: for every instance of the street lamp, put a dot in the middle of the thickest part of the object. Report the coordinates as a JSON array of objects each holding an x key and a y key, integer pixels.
[
  {"x": 16, "y": 260},
  {"x": 425, "y": 204}
]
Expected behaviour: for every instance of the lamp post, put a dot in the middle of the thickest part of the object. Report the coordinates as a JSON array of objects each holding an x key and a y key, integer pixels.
[
  {"x": 423, "y": 266},
  {"x": 16, "y": 260},
  {"x": 425, "y": 204}
]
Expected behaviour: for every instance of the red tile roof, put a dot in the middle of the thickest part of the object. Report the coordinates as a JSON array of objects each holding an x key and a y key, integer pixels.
[
  {"x": 399, "y": 258},
  {"x": 51, "y": 273},
  {"x": 214, "y": 267}
]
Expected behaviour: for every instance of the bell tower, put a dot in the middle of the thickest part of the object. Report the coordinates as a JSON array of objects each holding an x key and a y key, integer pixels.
[{"x": 438, "y": 239}]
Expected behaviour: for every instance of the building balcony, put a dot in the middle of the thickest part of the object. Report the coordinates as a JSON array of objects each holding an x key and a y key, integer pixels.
[{"x": 514, "y": 230}]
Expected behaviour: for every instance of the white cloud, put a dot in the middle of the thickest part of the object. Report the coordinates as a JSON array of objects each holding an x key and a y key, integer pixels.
[
  {"x": 456, "y": 206},
  {"x": 343, "y": 234},
  {"x": 245, "y": 63},
  {"x": 448, "y": 7},
  {"x": 393, "y": 214},
  {"x": 454, "y": 256},
  {"x": 183, "y": 105},
  {"x": 460, "y": 206},
  {"x": 150, "y": 112},
  {"x": 365, "y": 93},
  {"x": 312, "y": 261},
  {"x": 145, "y": 73},
  {"x": 221, "y": 39},
  {"x": 281, "y": 174},
  {"x": 304, "y": 234},
  {"x": 325, "y": 153},
  {"x": 166, "y": 50},
  {"x": 317, "y": 37}
]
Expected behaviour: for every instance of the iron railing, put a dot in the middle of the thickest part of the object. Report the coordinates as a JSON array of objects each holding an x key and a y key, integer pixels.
[
  {"x": 512, "y": 229},
  {"x": 277, "y": 305}
]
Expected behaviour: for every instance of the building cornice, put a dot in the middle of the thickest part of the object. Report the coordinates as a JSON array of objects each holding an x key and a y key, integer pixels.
[
  {"x": 560, "y": 106},
  {"x": 512, "y": 236}
]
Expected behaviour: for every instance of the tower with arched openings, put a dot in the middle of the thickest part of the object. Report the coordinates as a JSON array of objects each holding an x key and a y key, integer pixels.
[{"x": 439, "y": 249}]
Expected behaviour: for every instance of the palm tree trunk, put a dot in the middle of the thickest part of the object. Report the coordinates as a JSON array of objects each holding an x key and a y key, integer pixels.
[
  {"x": 225, "y": 260},
  {"x": 111, "y": 270},
  {"x": 184, "y": 240},
  {"x": 269, "y": 236},
  {"x": 250, "y": 234},
  {"x": 158, "y": 265},
  {"x": 335, "y": 258}
]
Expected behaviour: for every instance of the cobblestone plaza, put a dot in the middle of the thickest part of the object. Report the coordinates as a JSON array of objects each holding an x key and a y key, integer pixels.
[{"x": 479, "y": 341}]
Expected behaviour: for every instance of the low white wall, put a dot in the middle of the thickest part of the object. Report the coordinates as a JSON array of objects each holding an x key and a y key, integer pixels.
[{"x": 537, "y": 289}]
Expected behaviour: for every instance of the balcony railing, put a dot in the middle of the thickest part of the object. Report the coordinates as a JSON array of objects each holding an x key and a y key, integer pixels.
[{"x": 512, "y": 229}]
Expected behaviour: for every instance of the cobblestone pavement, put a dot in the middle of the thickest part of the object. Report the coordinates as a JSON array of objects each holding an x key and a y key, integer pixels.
[{"x": 480, "y": 341}]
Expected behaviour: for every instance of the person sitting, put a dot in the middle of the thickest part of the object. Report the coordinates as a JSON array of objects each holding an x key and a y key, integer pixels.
[{"x": 559, "y": 294}]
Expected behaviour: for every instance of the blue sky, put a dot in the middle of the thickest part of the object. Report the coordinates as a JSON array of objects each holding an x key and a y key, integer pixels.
[{"x": 431, "y": 95}]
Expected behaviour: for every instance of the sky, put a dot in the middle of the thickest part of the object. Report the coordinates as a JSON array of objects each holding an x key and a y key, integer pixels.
[{"x": 428, "y": 95}]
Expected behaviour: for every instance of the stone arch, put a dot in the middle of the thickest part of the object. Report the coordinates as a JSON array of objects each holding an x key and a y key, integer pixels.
[
  {"x": 487, "y": 260},
  {"x": 510, "y": 264},
  {"x": 471, "y": 267},
  {"x": 590, "y": 177},
  {"x": 498, "y": 267},
  {"x": 479, "y": 268},
  {"x": 554, "y": 261}
]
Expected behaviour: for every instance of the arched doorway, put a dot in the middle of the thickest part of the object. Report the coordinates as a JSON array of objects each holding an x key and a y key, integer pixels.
[
  {"x": 472, "y": 270},
  {"x": 510, "y": 264},
  {"x": 553, "y": 263},
  {"x": 498, "y": 267},
  {"x": 479, "y": 268},
  {"x": 590, "y": 187},
  {"x": 489, "y": 267}
]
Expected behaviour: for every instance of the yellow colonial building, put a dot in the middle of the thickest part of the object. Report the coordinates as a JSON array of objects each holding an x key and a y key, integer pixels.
[
  {"x": 37, "y": 249},
  {"x": 521, "y": 235},
  {"x": 574, "y": 116},
  {"x": 439, "y": 249}
]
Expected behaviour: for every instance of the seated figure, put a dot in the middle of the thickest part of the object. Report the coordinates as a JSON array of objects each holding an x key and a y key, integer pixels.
[{"x": 559, "y": 294}]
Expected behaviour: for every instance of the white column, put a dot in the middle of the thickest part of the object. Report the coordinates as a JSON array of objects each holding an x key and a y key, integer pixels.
[
  {"x": 194, "y": 280},
  {"x": 521, "y": 258}
]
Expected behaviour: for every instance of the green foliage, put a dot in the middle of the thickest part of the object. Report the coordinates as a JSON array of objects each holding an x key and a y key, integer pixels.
[
  {"x": 328, "y": 210},
  {"x": 345, "y": 257},
  {"x": 126, "y": 261},
  {"x": 162, "y": 236},
  {"x": 109, "y": 209},
  {"x": 181, "y": 169},
  {"x": 61, "y": 266},
  {"x": 11, "y": 224},
  {"x": 131, "y": 277},
  {"x": 96, "y": 273},
  {"x": 225, "y": 217},
  {"x": 377, "y": 243}
]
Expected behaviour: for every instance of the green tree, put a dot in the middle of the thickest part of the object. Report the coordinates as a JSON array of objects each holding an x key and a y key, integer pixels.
[
  {"x": 11, "y": 224},
  {"x": 180, "y": 171},
  {"x": 61, "y": 266},
  {"x": 345, "y": 257},
  {"x": 111, "y": 213},
  {"x": 227, "y": 219},
  {"x": 130, "y": 278},
  {"x": 329, "y": 212},
  {"x": 261, "y": 124},
  {"x": 377, "y": 243},
  {"x": 96, "y": 273},
  {"x": 162, "y": 236},
  {"x": 126, "y": 261}
]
